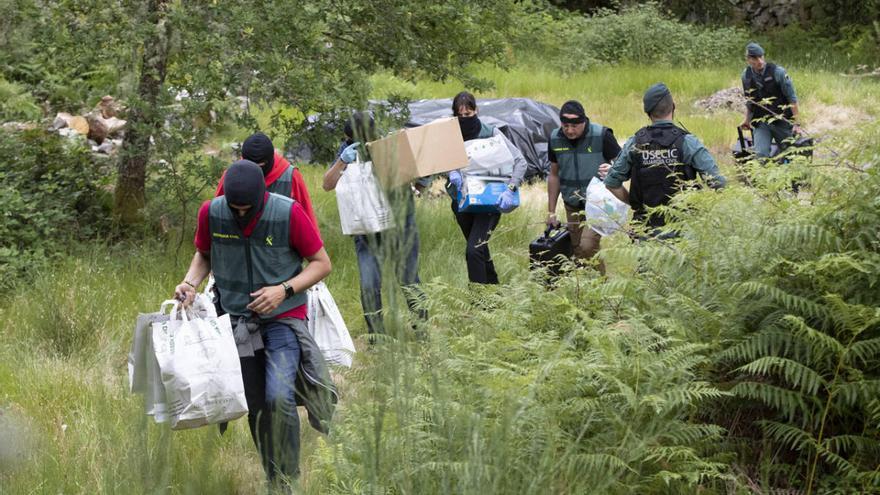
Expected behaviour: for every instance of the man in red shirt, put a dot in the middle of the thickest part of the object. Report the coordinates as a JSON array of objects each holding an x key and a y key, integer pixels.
[
  {"x": 255, "y": 244},
  {"x": 281, "y": 177}
]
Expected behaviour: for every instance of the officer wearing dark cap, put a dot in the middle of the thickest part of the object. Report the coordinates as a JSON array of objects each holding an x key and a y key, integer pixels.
[
  {"x": 579, "y": 150},
  {"x": 659, "y": 159},
  {"x": 771, "y": 102}
]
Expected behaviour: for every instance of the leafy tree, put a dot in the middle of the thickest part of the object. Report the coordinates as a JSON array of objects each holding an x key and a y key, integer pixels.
[{"x": 192, "y": 59}]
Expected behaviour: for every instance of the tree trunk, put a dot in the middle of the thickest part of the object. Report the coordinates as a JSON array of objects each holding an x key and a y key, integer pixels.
[{"x": 144, "y": 119}]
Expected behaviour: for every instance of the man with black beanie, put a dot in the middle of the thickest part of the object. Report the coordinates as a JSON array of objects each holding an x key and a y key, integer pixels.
[
  {"x": 256, "y": 243},
  {"x": 579, "y": 150},
  {"x": 279, "y": 175}
]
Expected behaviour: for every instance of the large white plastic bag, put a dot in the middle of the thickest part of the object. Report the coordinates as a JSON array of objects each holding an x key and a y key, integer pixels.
[
  {"x": 604, "y": 213},
  {"x": 363, "y": 207},
  {"x": 489, "y": 156},
  {"x": 200, "y": 369},
  {"x": 328, "y": 328},
  {"x": 144, "y": 376}
]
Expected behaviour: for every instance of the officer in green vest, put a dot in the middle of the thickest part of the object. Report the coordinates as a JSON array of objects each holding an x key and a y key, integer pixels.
[
  {"x": 578, "y": 151},
  {"x": 659, "y": 159},
  {"x": 255, "y": 242},
  {"x": 771, "y": 102}
]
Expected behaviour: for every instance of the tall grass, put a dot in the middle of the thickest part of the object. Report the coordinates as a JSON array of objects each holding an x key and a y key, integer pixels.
[{"x": 516, "y": 390}]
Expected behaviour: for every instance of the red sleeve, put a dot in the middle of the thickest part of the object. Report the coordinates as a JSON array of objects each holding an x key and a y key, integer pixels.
[
  {"x": 203, "y": 230},
  {"x": 300, "y": 193},
  {"x": 304, "y": 236}
]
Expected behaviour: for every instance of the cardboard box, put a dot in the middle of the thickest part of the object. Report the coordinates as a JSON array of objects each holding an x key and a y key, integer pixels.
[
  {"x": 480, "y": 194},
  {"x": 416, "y": 152}
]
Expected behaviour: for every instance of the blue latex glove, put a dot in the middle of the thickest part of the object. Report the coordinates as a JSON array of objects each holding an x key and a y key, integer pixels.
[
  {"x": 349, "y": 154},
  {"x": 455, "y": 179},
  {"x": 506, "y": 202}
]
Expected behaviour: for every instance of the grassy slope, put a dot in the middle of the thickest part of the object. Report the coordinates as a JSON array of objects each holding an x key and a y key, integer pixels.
[{"x": 62, "y": 358}]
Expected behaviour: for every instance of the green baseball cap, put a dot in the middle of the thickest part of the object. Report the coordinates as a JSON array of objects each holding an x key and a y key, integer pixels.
[{"x": 653, "y": 96}]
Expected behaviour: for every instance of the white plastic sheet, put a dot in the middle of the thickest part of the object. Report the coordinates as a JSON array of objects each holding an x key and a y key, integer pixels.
[
  {"x": 604, "y": 213},
  {"x": 489, "y": 156},
  {"x": 363, "y": 207},
  {"x": 328, "y": 328},
  {"x": 200, "y": 369}
]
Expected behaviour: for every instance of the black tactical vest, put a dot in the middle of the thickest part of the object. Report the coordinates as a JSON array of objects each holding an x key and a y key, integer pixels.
[
  {"x": 657, "y": 169},
  {"x": 764, "y": 96}
]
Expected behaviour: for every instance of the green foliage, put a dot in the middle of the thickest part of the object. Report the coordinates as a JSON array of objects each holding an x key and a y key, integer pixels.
[
  {"x": 549, "y": 395},
  {"x": 52, "y": 192},
  {"x": 642, "y": 33},
  {"x": 16, "y": 103}
]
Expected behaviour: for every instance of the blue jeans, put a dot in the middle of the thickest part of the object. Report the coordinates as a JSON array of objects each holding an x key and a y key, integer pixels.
[
  {"x": 274, "y": 421},
  {"x": 401, "y": 249},
  {"x": 765, "y": 133}
]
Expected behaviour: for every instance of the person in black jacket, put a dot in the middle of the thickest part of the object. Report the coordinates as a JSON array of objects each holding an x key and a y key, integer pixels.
[{"x": 771, "y": 102}]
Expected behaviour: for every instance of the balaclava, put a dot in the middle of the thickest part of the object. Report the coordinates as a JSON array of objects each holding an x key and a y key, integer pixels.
[
  {"x": 258, "y": 148},
  {"x": 244, "y": 185}
]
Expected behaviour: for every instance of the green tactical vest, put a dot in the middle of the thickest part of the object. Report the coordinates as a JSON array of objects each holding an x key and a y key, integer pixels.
[
  {"x": 486, "y": 131},
  {"x": 282, "y": 184},
  {"x": 243, "y": 265},
  {"x": 578, "y": 163}
]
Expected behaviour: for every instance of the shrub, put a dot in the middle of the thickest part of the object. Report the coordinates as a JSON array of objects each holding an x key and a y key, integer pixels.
[
  {"x": 52, "y": 192},
  {"x": 16, "y": 103},
  {"x": 638, "y": 34}
]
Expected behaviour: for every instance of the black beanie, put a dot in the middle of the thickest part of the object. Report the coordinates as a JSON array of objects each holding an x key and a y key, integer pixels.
[
  {"x": 574, "y": 108},
  {"x": 258, "y": 148}
]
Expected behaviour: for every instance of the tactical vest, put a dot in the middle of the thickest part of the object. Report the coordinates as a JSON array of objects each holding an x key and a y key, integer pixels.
[
  {"x": 657, "y": 169},
  {"x": 243, "y": 265},
  {"x": 578, "y": 163},
  {"x": 767, "y": 97},
  {"x": 283, "y": 184}
]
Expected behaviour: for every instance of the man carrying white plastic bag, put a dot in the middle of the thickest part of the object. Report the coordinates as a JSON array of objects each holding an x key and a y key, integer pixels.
[
  {"x": 256, "y": 243},
  {"x": 200, "y": 370}
]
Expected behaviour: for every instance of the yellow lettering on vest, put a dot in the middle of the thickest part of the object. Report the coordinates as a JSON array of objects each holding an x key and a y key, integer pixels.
[{"x": 225, "y": 236}]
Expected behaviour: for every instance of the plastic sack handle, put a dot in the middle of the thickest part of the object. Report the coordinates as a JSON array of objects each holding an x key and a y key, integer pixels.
[{"x": 175, "y": 309}]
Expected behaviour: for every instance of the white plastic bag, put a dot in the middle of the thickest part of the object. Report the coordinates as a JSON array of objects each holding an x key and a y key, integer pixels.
[
  {"x": 200, "y": 369},
  {"x": 489, "y": 156},
  {"x": 328, "y": 328},
  {"x": 604, "y": 213},
  {"x": 363, "y": 207},
  {"x": 144, "y": 376}
]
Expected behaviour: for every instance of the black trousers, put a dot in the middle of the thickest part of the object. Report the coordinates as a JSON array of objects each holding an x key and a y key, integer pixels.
[{"x": 477, "y": 229}]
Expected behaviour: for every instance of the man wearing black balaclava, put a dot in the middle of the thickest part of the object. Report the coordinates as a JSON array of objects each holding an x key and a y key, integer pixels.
[
  {"x": 245, "y": 189},
  {"x": 579, "y": 150},
  {"x": 256, "y": 242},
  {"x": 279, "y": 175}
]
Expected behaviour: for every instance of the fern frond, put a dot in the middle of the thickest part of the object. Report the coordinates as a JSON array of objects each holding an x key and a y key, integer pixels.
[
  {"x": 795, "y": 373},
  {"x": 817, "y": 337},
  {"x": 789, "y": 402},
  {"x": 863, "y": 351},
  {"x": 788, "y": 435},
  {"x": 851, "y": 393},
  {"x": 790, "y": 302}
]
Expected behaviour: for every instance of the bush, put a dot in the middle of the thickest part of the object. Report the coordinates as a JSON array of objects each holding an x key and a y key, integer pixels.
[
  {"x": 52, "y": 193},
  {"x": 16, "y": 103},
  {"x": 639, "y": 34}
]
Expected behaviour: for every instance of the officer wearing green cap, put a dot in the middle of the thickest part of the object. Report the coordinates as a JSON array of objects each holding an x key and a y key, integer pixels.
[
  {"x": 658, "y": 159},
  {"x": 771, "y": 102}
]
